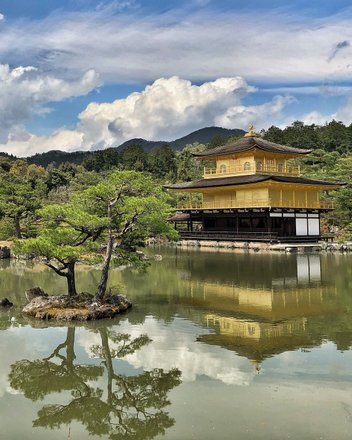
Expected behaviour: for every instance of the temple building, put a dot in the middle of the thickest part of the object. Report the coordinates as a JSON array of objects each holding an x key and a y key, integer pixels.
[{"x": 250, "y": 191}]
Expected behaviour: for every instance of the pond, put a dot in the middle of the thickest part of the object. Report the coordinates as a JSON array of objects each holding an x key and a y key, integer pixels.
[{"x": 217, "y": 345}]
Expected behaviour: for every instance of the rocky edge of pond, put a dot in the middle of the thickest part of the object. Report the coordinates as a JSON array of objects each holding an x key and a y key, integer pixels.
[{"x": 81, "y": 307}]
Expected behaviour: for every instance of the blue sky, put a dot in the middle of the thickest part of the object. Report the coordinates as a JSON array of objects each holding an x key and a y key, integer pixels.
[{"x": 88, "y": 74}]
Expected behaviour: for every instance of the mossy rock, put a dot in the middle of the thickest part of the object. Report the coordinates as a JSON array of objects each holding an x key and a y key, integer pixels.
[{"x": 77, "y": 308}]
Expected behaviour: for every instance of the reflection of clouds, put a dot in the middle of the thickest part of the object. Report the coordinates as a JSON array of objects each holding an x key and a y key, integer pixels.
[
  {"x": 10, "y": 343},
  {"x": 175, "y": 345},
  {"x": 22, "y": 343},
  {"x": 323, "y": 361}
]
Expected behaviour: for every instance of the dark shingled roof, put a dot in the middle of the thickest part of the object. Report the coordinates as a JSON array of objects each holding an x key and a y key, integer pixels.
[
  {"x": 247, "y": 143},
  {"x": 179, "y": 217},
  {"x": 243, "y": 180}
]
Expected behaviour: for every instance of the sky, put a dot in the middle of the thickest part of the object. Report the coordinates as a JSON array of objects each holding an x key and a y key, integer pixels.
[{"x": 90, "y": 74}]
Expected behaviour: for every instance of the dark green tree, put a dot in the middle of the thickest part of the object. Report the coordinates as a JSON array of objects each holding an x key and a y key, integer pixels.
[
  {"x": 18, "y": 199},
  {"x": 161, "y": 162},
  {"x": 134, "y": 157}
]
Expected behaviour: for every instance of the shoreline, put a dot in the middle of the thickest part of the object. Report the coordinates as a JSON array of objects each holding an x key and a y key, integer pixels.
[{"x": 210, "y": 245}]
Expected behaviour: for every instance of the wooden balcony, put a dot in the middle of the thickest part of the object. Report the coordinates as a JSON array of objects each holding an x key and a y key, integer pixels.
[
  {"x": 229, "y": 235},
  {"x": 251, "y": 168},
  {"x": 259, "y": 203},
  {"x": 272, "y": 237}
]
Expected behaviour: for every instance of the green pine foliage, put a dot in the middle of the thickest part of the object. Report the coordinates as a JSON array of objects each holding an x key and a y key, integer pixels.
[{"x": 119, "y": 213}]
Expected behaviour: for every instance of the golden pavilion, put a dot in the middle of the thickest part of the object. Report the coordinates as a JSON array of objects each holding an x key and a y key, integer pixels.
[{"x": 252, "y": 192}]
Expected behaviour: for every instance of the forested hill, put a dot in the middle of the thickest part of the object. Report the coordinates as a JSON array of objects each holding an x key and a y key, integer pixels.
[
  {"x": 58, "y": 157},
  {"x": 202, "y": 136}
]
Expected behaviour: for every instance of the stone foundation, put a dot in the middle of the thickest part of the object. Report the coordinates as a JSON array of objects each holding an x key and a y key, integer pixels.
[{"x": 260, "y": 246}]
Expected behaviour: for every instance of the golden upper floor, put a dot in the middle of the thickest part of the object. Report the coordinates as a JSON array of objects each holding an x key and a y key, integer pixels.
[
  {"x": 251, "y": 155},
  {"x": 251, "y": 164}
]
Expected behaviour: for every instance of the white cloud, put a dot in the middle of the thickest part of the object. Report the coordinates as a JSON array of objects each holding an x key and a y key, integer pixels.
[
  {"x": 165, "y": 110},
  {"x": 343, "y": 114},
  {"x": 168, "y": 108},
  {"x": 315, "y": 117},
  {"x": 260, "y": 115},
  {"x": 175, "y": 346},
  {"x": 23, "y": 90},
  {"x": 135, "y": 47}
]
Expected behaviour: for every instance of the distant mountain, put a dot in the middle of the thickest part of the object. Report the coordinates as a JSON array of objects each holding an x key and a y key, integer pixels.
[
  {"x": 202, "y": 136},
  {"x": 147, "y": 145},
  {"x": 205, "y": 135}
]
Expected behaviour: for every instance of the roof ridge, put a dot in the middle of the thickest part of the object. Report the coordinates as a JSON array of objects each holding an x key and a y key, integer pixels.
[{"x": 247, "y": 143}]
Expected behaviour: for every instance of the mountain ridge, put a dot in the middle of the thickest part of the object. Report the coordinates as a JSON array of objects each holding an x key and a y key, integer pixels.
[{"x": 202, "y": 136}]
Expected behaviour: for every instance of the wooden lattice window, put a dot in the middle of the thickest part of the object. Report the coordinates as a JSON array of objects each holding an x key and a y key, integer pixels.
[
  {"x": 223, "y": 169},
  {"x": 247, "y": 166},
  {"x": 259, "y": 165}
]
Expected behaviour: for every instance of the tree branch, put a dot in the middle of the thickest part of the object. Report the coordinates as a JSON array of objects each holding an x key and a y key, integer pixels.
[{"x": 56, "y": 270}]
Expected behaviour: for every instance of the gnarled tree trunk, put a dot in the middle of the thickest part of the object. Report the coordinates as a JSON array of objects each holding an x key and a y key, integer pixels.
[
  {"x": 71, "y": 281},
  {"x": 107, "y": 259}
]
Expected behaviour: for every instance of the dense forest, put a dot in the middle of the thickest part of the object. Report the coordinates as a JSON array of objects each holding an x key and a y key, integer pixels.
[{"x": 28, "y": 187}]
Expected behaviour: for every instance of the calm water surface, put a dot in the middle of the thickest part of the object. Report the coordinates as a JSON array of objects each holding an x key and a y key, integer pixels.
[{"x": 217, "y": 346}]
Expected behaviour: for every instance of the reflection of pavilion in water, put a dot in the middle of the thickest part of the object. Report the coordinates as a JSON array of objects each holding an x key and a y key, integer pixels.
[
  {"x": 296, "y": 293},
  {"x": 267, "y": 320}
]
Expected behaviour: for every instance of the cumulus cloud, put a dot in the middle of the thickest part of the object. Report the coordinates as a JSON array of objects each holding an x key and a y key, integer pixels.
[
  {"x": 24, "y": 89},
  {"x": 165, "y": 110},
  {"x": 168, "y": 108},
  {"x": 261, "y": 115}
]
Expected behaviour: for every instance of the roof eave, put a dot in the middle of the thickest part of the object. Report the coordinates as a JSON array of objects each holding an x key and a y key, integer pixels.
[{"x": 228, "y": 153}]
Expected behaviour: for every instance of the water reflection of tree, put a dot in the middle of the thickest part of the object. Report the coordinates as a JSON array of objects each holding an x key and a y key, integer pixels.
[{"x": 131, "y": 407}]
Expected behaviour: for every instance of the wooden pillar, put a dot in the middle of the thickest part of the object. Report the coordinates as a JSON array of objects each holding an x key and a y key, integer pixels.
[
  {"x": 251, "y": 222},
  {"x": 190, "y": 200},
  {"x": 306, "y": 198}
]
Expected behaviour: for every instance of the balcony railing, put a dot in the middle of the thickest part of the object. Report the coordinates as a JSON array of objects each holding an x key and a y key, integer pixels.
[
  {"x": 251, "y": 168},
  {"x": 228, "y": 235},
  {"x": 258, "y": 203}
]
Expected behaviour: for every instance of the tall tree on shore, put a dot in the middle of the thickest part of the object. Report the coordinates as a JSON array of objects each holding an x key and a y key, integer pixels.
[
  {"x": 104, "y": 223},
  {"x": 135, "y": 208}
]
